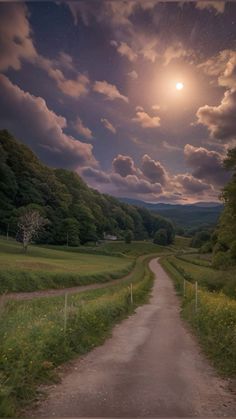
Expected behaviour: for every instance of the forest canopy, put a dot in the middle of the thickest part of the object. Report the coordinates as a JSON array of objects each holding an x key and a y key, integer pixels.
[{"x": 75, "y": 213}]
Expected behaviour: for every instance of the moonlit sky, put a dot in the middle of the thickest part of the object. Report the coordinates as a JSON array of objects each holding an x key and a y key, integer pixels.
[{"x": 92, "y": 86}]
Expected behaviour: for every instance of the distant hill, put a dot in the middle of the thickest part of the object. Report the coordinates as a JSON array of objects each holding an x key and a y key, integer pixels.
[{"x": 187, "y": 216}]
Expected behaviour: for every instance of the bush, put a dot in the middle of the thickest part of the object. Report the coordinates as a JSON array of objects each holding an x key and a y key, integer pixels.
[
  {"x": 206, "y": 248},
  {"x": 161, "y": 237},
  {"x": 128, "y": 237},
  {"x": 221, "y": 260}
]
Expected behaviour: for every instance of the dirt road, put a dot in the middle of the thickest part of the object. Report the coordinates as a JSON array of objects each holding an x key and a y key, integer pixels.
[{"x": 151, "y": 366}]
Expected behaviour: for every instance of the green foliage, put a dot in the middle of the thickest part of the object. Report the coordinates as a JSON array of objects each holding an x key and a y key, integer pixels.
[
  {"x": 226, "y": 231},
  {"x": 33, "y": 340},
  {"x": 214, "y": 321},
  {"x": 200, "y": 238},
  {"x": 161, "y": 237},
  {"x": 221, "y": 260},
  {"x": 196, "y": 268},
  {"x": 66, "y": 201},
  {"x": 128, "y": 237}
]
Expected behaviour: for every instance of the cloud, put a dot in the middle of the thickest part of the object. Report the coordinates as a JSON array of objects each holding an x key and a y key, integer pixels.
[
  {"x": 217, "y": 6},
  {"x": 109, "y": 90},
  {"x": 192, "y": 185},
  {"x": 17, "y": 45},
  {"x": 207, "y": 165},
  {"x": 82, "y": 129},
  {"x": 15, "y": 35},
  {"x": 108, "y": 125},
  {"x": 123, "y": 165},
  {"x": 97, "y": 175},
  {"x": 133, "y": 74},
  {"x": 145, "y": 120},
  {"x": 132, "y": 183},
  {"x": 124, "y": 50},
  {"x": 153, "y": 170},
  {"x": 174, "y": 52},
  {"x": 220, "y": 120},
  {"x": 222, "y": 65},
  {"x": 29, "y": 118},
  {"x": 71, "y": 87}
]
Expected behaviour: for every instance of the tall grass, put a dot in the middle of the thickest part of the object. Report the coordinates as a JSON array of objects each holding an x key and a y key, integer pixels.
[
  {"x": 214, "y": 321},
  {"x": 34, "y": 341}
]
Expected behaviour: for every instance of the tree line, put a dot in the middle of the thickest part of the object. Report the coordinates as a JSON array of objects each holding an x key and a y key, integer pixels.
[{"x": 75, "y": 213}]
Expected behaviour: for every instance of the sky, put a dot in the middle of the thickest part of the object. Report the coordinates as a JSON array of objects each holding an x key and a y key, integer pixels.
[{"x": 90, "y": 86}]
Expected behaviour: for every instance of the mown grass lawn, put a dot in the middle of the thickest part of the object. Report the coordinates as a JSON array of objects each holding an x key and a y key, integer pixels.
[{"x": 43, "y": 268}]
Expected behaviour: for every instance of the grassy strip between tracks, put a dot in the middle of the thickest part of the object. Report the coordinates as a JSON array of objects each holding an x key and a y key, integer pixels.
[
  {"x": 33, "y": 338},
  {"x": 214, "y": 321}
]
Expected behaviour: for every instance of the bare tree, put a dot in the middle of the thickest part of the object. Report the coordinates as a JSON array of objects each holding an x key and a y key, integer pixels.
[{"x": 29, "y": 225}]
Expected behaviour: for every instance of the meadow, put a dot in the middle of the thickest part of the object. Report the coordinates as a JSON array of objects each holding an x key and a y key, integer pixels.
[
  {"x": 34, "y": 337},
  {"x": 194, "y": 268},
  {"x": 214, "y": 318},
  {"x": 43, "y": 268}
]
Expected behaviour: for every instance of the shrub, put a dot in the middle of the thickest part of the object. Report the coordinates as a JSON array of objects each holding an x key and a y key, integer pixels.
[
  {"x": 221, "y": 260},
  {"x": 161, "y": 237},
  {"x": 233, "y": 251}
]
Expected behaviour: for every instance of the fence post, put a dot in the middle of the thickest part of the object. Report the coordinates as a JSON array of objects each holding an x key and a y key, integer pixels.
[
  {"x": 65, "y": 311},
  {"x": 196, "y": 296},
  {"x": 131, "y": 293},
  {"x": 184, "y": 287}
]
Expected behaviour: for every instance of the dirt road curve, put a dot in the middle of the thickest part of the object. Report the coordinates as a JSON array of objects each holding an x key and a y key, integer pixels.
[{"x": 151, "y": 366}]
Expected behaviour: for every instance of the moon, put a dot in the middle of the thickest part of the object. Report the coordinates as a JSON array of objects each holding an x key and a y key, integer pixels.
[{"x": 179, "y": 85}]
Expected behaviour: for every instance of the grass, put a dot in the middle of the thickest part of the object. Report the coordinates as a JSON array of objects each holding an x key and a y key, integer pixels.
[
  {"x": 214, "y": 321},
  {"x": 33, "y": 339},
  {"x": 43, "y": 268},
  {"x": 134, "y": 249},
  {"x": 200, "y": 270}
]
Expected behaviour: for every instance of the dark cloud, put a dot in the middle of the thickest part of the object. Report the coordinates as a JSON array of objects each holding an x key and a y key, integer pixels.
[
  {"x": 29, "y": 117},
  {"x": 97, "y": 175},
  {"x": 153, "y": 170},
  {"x": 207, "y": 165},
  {"x": 132, "y": 183},
  {"x": 123, "y": 165},
  {"x": 220, "y": 120},
  {"x": 192, "y": 185}
]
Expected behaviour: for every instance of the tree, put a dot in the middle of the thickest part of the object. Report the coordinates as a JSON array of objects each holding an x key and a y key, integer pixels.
[
  {"x": 69, "y": 232},
  {"x": 160, "y": 237},
  {"x": 128, "y": 236},
  {"x": 29, "y": 225}
]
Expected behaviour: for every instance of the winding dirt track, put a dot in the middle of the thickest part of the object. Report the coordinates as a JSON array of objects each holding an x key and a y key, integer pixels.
[{"x": 151, "y": 366}]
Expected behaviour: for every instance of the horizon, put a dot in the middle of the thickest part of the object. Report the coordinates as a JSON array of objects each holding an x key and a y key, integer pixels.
[{"x": 137, "y": 97}]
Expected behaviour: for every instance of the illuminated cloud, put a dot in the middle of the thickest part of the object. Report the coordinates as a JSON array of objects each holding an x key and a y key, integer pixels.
[
  {"x": 82, "y": 129},
  {"x": 145, "y": 120},
  {"x": 108, "y": 125},
  {"x": 15, "y": 34},
  {"x": 192, "y": 185},
  {"x": 217, "y": 6},
  {"x": 124, "y": 50},
  {"x": 133, "y": 74},
  {"x": 109, "y": 90}
]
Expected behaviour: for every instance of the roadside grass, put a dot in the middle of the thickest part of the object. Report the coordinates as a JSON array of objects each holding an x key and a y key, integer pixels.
[
  {"x": 134, "y": 249},
  {"x": 209, "y": 278},
  {"x": 214, "y": 321},
  {"x": 34, "y": 340},
  {"x": 43, "y": 268}
]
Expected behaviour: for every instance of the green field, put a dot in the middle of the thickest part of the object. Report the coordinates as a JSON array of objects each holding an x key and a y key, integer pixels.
[
  {"x": 134, "y": 249},
  {"x": 43, "y": 268},
  {"x": 199, "y": 269},
  {"x": 33, "y": 338}
]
